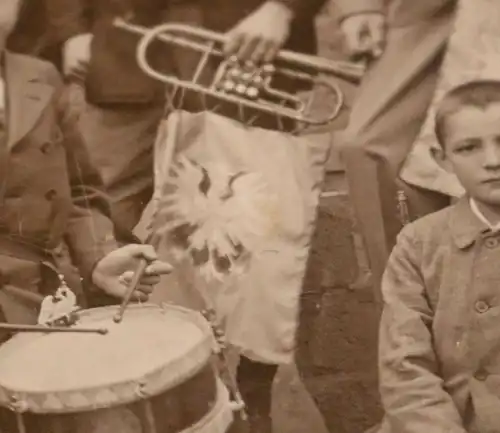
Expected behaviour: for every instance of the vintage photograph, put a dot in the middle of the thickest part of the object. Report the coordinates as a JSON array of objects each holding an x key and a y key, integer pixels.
[{"x": 249, "y": 216}]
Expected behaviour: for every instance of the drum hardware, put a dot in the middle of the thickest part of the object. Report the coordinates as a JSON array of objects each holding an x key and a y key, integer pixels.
[
  {"x": 50, "y": 329},
  {"x": 248, "y": 85},
  {"x": 237, "y": 403}
]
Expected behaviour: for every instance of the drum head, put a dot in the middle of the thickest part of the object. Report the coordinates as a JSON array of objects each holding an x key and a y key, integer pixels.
[{"x": 153, "y": 349}]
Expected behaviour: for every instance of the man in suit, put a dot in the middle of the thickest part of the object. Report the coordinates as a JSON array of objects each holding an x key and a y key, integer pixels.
[
  {"x": 403, "y": 42},
  {"x": 50, "y": 191}
]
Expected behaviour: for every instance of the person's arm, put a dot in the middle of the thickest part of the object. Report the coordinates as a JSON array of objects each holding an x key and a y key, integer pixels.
[
  {"x": 90, "y": 231},
  {"x": 412, "y": 391},
  {"x": 67, "y": 18},
  {"x": 348, "y": 8},
  {"x": 303, "y": 8}
]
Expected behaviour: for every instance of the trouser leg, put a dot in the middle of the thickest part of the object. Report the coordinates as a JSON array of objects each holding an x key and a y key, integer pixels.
[{"x": 255, "y": 382}]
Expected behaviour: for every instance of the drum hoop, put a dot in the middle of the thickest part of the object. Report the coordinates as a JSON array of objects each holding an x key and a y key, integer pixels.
[{"x": 154, "y": 383}]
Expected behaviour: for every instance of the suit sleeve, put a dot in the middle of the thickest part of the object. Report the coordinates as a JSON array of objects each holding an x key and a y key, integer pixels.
[
  {"x": 346, "y": 8},
  {"x": 90, "y": 231},
  {"x": 304, "y": 8},
  {"x": 412, "y": 391},
  {"x": 67, "y": 18}
]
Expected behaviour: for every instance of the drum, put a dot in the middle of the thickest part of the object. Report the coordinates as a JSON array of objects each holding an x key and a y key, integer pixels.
[{"x": 151, "y": 373}]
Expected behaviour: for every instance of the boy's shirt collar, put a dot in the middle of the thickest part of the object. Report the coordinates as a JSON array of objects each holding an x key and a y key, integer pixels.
[
  {"x": 475, "y": 209},
  {"x": 464, "y": 224}
]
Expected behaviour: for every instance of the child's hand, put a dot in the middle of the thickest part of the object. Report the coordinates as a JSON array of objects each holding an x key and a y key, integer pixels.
[
  {"x": 260, "y": 36},
  {"x": 114, "y": 272}
]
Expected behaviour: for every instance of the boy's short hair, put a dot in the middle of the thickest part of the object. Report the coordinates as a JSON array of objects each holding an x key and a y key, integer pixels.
[{"x": 479, "y": 94}]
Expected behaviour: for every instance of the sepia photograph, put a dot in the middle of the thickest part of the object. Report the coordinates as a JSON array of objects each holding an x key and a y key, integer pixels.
[{"x": 249, "y": 216}]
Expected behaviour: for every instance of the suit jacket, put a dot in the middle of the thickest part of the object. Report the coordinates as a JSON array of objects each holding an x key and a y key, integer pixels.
[
  {"x": 439, "y": 356},
  {"x": 114, "y": 75},
  {"x": 400, "y": 12},
  {"x": 387, "y": 114},
  {"x": 49, "y": 189}
]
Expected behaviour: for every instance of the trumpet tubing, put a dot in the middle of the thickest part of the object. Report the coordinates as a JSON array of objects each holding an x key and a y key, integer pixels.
[{"x": 249, "y": 85}]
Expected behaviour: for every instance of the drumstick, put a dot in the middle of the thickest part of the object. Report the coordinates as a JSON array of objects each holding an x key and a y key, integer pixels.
[
  {"x": 139, "y": 272},
  {"x": 49, "y": 329},
  {"x": 153, "y": 239}
]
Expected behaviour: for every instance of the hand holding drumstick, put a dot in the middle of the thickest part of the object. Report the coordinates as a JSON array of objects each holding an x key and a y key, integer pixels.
[{"x": 115, "y": 272}]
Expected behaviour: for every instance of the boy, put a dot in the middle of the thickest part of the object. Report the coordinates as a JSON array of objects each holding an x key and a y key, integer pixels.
[
  {"x": 49, "y": 190},
  {"x": 439, "y": 343}
]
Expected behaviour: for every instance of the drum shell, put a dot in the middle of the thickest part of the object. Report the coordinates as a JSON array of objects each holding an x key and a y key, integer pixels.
[
  {"x": 181, "y": 393},
  {"x": 173, "y": 411}
]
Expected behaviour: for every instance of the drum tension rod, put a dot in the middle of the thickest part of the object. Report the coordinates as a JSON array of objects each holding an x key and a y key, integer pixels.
[{"x": 50, "y": 329}]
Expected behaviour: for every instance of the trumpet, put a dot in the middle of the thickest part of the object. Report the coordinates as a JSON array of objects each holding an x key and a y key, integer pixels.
[{"x": 247, "y": 84}]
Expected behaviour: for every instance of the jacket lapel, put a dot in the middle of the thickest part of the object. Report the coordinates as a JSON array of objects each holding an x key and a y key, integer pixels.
[{"x": 27, "y": 96}]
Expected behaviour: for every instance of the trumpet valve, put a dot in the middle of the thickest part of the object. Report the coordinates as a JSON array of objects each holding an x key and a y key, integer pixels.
[
  {"x": 228, "y": 86},
  {"x": 241, "y": 89},
  {"x": 252, "y": 93}
]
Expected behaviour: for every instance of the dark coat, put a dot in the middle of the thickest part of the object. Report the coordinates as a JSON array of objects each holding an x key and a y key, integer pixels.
[
  {"x": 49, "y": 189},
  {"x": 114, "y": 75},
  {"x": 30, "y": 35}
]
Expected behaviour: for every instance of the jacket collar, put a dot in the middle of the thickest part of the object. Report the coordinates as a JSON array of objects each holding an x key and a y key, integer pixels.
[{"x": 464, "y": 225}]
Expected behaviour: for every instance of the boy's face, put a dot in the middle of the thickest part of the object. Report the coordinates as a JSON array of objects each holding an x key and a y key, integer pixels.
[
  {"x": 472, "y": 151},
  {"x": 8, "y": 16}
]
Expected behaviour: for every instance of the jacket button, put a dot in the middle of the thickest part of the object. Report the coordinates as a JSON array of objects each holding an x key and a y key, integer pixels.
[
  {"x": 481, "y": 306},
  {"x": 481, "y": 375},
  {"x": 50, "y": 194},
  {"x": 491, "y": 242}
]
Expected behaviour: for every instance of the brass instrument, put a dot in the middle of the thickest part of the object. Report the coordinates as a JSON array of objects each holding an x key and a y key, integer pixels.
[{"x": 250, "y": 85}]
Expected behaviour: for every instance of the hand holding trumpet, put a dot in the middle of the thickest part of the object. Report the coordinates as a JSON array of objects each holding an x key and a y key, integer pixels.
[
  {"x": 364, "y": 35},
  {"x": 260, "y": 36}
]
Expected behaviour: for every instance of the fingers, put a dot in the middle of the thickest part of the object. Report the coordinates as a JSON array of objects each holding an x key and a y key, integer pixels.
[
  {"x": 146, "y": 280},
  {"x": 139, "y": 251},
  {"x": 252, "y": 47},
  {"x": 377, "y": 30},
  {"x": 234, "y": 41},
  {"x": 364, "y": 34},
  {"x": 78, "y": 71}
]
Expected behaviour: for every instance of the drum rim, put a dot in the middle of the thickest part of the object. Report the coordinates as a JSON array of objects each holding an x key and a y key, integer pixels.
[{"x": 124, "y": 392}]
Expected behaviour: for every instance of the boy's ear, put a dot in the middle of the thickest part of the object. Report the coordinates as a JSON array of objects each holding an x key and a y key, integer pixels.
[{"x": 439, "y": 155}]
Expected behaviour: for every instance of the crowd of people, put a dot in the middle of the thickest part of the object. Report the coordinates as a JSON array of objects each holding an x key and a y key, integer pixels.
[{"x": 437, "y": 276}]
